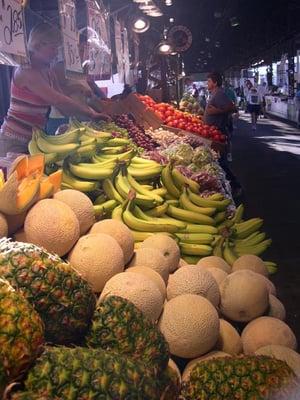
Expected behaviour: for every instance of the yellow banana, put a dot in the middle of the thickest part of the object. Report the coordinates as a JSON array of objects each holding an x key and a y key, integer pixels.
[
  {"x": 167, "y": 180},
  {"x": 253, "y": 239},
  {"x": 158, "y": 211},
  {"x": 116, "y": 142},
  {"x": 47, "y": 147},
  {"x": 228, "y": 254},
  {"x": 216, "y": 196},
  {"x": 145, "y": 173},
  {"x": 218, "y": 247},
  {"x": 244, "y": 229},
  {"x": 220, "y": 205},
  {"x": 112, "y": 150},
  {"x": 196, "y": 238},
  {"x": 111, "y": 192},
  {"x": 102, "y": 210},
  {"x": 78, "y": 184},
  {"x": 195, "y": 228},
  {"x": 86, "y": 150},
  {"x": 256, "y": 249},
  {"x": 163, "y": 220},
  {"x": 189, "y": 216},
  {"x": 139, "y": 189},
  {"x": 85, "y": 140},
  {"x": 68, "y": 137},
  {"x": 143, "y": 161},
  {"x": 189, "y": 206},
  {"x": 101, "y": 199},
  {"x": 160, "y": 191},
  {"x": 181, "y": 181},
  {"x": 33, "y": 149},
  {"x": 173, "y": 202},
  {"x": 90, "y": 171},
  {"x": 123, "y": 187},
  {"x": 138, "y": 224},
  {"x": 141, "y": 236},
  {"x": 239, "y": 212},
  {"x": 220, "y": 217},
  {"x": 117, "y": 213},
  {"x": 116, "y": 157},
  {"x": 195, "y": 249},
  {"x": 191, "y": 260},
  {"x": 148, "y": 187}
]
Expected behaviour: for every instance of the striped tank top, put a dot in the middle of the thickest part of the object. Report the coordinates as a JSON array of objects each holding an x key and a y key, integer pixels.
[{"x": 26, "y": 110}]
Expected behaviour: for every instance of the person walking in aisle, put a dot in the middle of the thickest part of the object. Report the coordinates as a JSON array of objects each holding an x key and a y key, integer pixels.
[
  {"x": 297, "y": 103},
  {"x": 254, "y": 102}
]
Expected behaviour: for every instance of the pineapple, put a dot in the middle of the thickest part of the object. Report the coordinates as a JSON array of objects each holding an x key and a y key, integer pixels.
[
  {"x": 21, "y": 331},
  {"x": 3, "y": 379},
  {"x": 121, "y": 327},
  {"x": 246, "y": 377},
  {"x": 64, "y": 373},
  {"x": 63, "y": 299}
]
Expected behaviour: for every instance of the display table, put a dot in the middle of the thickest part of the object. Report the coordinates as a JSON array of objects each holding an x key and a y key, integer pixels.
[{"x": 281, "y": 107}]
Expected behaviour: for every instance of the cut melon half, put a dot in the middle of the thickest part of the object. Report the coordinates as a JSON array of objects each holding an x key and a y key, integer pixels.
[
  {"x": 27, "y": 165},
  {"x": 46, "y": 188},
  {"x": 56, "y": 179}
]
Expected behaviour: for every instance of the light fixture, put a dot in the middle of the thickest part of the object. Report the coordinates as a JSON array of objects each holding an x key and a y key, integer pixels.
[
  {"x": 234, "y": 22},
  {"x": 146, "y": 7},
  {"x": 140, "y": 1},
  {"x": 171, "y": 20},
  {"x": 140, "y": 24},
  {"x": 207, "y": 39},
  {"x": 164, "y": 48},
  {"x": 169, "y": 3},
  {"x": 217, "y": 44},
  {"x": 154, "y": 13}
]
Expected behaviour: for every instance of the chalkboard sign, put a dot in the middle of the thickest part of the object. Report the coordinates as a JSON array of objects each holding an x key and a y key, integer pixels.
[
  {"x": 12, "y": 28},
  {"x": 70, "y": 36}
]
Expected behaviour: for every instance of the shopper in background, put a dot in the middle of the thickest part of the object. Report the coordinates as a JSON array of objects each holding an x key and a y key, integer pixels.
[
  {"x": 33, "y": 92},
  {"x": 254, "y": 101},
  {"x": 195, "y": 92},
  {"x": 218, "y": 108},
  {"x": 263, "y": 90}
]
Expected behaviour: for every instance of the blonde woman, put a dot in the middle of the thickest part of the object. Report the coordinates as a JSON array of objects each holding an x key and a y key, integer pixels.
[{"x": 33, "y": 92}]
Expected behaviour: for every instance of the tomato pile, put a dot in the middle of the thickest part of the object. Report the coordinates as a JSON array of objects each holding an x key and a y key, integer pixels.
[{"x": 183, "y": 120}]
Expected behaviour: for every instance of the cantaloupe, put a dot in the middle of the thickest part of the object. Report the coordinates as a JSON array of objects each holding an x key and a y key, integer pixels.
[
  {"x": 15, "y": 222},
  {"x": 49, "y": 185},
  {"x": 153, "y": 275},
  {"x": 252, "y": 263},
  {"x": 191, "y": 279},
  {"x": 214, "y": 262},
  {"x": 3, "y": 226},
  {"x": 182, "y": 262},
  {"x": 209, "y": 356},
  {"x": 167, "y": 246},
  {"x": 82, "y": 206},
  {"x": 229, "y": 339},
  {"x": 120, "y": 232},
  {"x": 269, "y": 284},
  {"x": 276, "y": 309},
  {"x": 291, "y": 357},
  {"x": 97, "y": 258},
  {"x": 218, "y": 274},
  {"x": 243, "y": 296},
  {"x": 20, "y": 236},
  {"x": 190, "y": 324},
  {"x": 151, "y": 258},
  {"x": 52, "y": 224},
  {"x": 137, "y": 288},
  {"x": 264, "y": 331}
]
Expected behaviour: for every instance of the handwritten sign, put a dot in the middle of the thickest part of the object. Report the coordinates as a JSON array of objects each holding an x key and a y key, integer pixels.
[
  {"x": 98, "y": 40},
  {"x": 67, "y": 12},
  {"x": 12, "y": 29}
]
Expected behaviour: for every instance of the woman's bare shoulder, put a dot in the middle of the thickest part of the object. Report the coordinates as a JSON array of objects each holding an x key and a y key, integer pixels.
[{"x": 24, "y": 75}]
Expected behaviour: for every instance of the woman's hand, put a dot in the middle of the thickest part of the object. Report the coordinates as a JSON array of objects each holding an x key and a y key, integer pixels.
[{"x": 95, "y": 116}]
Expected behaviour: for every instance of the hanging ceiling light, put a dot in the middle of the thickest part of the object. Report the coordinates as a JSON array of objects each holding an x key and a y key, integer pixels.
[
  {"x": 234, "y": 22},
  {"x": 147, "y": 7},
  {"x": 164, "y": 48},
  {"x": 154, "y": 13},
  {"x": 169, "y": 3},
  {"x": 140, "y": 1},
  {"x": 140, "y": 24}
]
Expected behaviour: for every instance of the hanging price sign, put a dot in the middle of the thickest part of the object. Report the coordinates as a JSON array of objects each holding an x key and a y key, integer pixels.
[
  {"x": 98, "y": 40},
  {"x": 12, "y": 28},
  {"x": 67, "y": 12}
]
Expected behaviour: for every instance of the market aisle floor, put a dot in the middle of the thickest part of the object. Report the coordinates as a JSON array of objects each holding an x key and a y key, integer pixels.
[{"x": 267, "y": 164}]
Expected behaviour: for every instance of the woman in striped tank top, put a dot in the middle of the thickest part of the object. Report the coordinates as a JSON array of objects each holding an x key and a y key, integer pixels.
[{"x": 34, "y": 91}]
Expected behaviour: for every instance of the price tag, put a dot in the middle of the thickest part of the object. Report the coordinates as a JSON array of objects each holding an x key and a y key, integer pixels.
[
  {"x": 67, "y": 12},
  {"x": 12, "y": 28},
  {"x": 98, "y": 41}
]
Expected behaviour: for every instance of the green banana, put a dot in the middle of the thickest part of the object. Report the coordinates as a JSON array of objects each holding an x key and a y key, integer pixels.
[
  {"x": 116, "y": 142},
  {"x": 158, "y": 211},
  {"x": 100, "y": 199},
  {"x": 219, "y": 205},
  {"x": 191, "y": 260},
  {"x": 68, "y": 137},
  {"x": 239, "y": 212},
  {"x": 117, "y": 213},
  {"x": 78, "y": 184},
  {"x": 47, "y": 147},
  {"x": 245, "y": 229},
  {"x": 163, "y": 220},
  {"x": 228, "y": 254},
  {"x": 195, "y": 249},
  {"x": 86, "y": 150},
  {"x": 139, "y": 189},
  {"x": 196, "y": 238},
  {"x": 145, "y": 173},
  {"x": 181, "y": 181},
  {"x": 189, "y": 216},
  {"x": 138, "y": 224},
  {"x": 251, "y": 240},
  {"x": 123, "y": 187},
  {"x": 256, "y": 249},
  {"x": 220, "y": 217},
  {"x": 167, "y": 180},
  {"x": 218, "y": 247},
  {"x": 85, "y": 140},
  {"x": 102, "y": 210},
  {"x": 195, "y": 228},
  {"x": 97, "y": 134},
  {"x": 189, "y": 206},
  {"x": 90, "y": 171},
  {"x": 271, "y": 266},
  {"x": 111, "y": 192},
  {"x": 33, "y": 149}
]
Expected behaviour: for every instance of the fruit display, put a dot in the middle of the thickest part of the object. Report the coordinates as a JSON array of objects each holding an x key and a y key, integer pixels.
[
  {"x": 190, "y": 104},
  {"x": 183, "y": 120}
]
